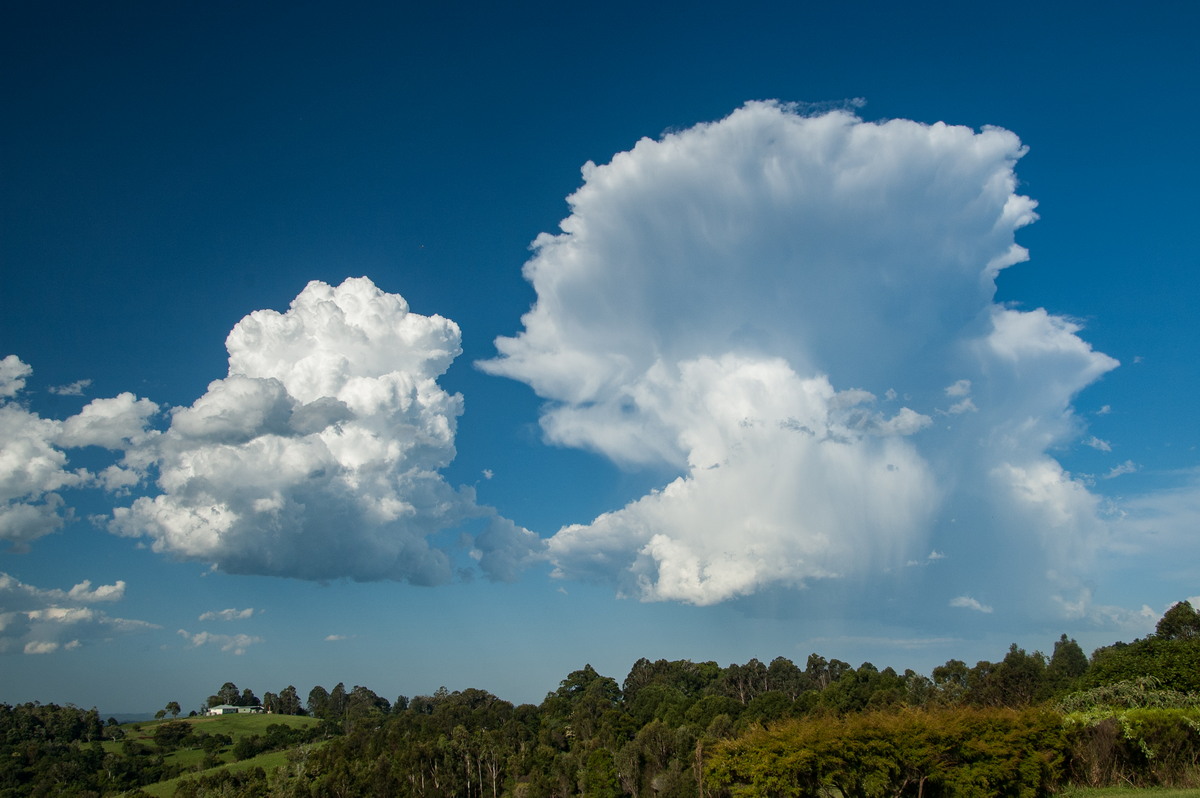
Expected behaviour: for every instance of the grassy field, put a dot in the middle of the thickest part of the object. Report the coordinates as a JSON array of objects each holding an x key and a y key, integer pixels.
[
  {"x": 1129, "y": 792},
  {"x": 268, "y": 762},
  {"x": 236, "y": 726}
]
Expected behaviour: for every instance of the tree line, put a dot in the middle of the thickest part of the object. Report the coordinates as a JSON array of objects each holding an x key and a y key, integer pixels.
[{"x": 1025, "y": 725}]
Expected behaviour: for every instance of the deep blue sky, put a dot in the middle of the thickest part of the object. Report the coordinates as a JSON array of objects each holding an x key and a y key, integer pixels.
[{"x": 165, "y": 171}]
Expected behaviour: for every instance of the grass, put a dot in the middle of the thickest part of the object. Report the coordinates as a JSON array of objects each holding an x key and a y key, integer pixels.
[
  {"x": 1128, "y": 792},
  {"x": 268, "y": 762},
  {"x": 236, "y": 726}
]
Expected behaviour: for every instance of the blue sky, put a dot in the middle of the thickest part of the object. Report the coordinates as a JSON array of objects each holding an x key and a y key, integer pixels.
[{"x": 696, "y": 331}]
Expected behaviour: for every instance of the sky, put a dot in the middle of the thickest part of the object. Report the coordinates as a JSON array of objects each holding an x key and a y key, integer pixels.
[{"x": 464, "y": 345}]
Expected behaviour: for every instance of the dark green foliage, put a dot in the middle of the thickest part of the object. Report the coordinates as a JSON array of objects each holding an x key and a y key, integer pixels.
[
  {"x": 1174, "y": 662},
  {"x": 228, "y": 694},
  {"x": 1181, "y": 622},
  {"x": 247, "y": 784},
  {"x": 1016, "y": 681},
  {"x": 51, "y": 750},
  {"x": 169, "y": 736},
  {"x": 679, "y": 729}
]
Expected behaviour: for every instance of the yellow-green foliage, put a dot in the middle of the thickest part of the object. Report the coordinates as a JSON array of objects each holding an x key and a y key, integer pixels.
[{"x": 958, "y": 751}]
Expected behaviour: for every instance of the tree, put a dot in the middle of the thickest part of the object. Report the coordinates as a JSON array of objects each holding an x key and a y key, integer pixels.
[
  {"x": 1016, "y": 681},
  {"x": 1181, "y": 622},
  {"x": 1067, "y": 664},
  {"x": 173, "y": 709},
  {"x": 288, "y": 702},
  {"x": 318, "y": 702},
  {"x": 247, "y": 699},
  {"x": 171, "y": 734},
  {"x": 338, "y": 701},
  {"x": 228, "y": 694}
]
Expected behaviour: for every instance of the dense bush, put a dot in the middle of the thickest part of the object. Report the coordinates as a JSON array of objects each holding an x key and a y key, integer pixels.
[{"x": 960, "y": 752}]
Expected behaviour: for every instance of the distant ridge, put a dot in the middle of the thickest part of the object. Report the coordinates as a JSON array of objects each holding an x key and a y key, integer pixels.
[{"x": 127, "y": 717}]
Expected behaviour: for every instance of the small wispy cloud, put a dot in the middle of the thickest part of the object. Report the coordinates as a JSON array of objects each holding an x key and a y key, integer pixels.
[
  {"x": 74, "y": 389},
  {"x": 228, "y": 615},
  {"x": 47, "y": 646},
  {"x": 234, "y": 644},
  {"x": 968, "y": 603},
  {"x": 1128, "y": 467},
  {"x": 1098, "y": 444},
  {"x": 960, "y": 388},
  {"x": 337, "y": 638},
  {"x": 965, "y": 406},
  {"x": 934, "y": 556}
]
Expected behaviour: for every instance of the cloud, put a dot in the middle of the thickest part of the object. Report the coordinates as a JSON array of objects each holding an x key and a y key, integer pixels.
[
  {"x": 34, "y": 466},
  {"x": 116, "y": 423},
  {"x": 730, "y": 300},
  {"x": 504, "y": 550},
  {"x": 228, "y": 615},
  {"x": 13, "y": 374},
  {"x": 233, "y": 644},
  {"x": 968, "y": 603},
  {"x": 959, "y": 389},
  {"x": 1128, "y": 467},
  {"x": 1097, "y": 444},
  {"x": 38, "y": 621},
  {"x": 74, "y": 389},
  {"x": 318, "y": 455}
]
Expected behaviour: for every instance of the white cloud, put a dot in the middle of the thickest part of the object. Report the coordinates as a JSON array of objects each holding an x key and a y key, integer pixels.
[
  {"x": 318, "y": 456},
  {"x": 73, "y": 389},
  {"x": 1128, "y": 467},
  {"x": 1098, "y": 444},
  {"x": 116, "y": 423},
  {"x": 32, "y": 471},
  {"x": 39, "y": 621},
  {"x": 12, "y": 375},
  {"x": 968, "y": 603},
  {"x": 728, "y": 300},
  {"x": 228, "y": 615},
  {"x": 33, "y": 466},
  {"x": 959, "y": 388},
  {"x": 233, "y": 644}
]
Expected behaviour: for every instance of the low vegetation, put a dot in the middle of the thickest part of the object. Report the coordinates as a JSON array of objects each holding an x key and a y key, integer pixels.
[{"x": 1027, "y": 725}]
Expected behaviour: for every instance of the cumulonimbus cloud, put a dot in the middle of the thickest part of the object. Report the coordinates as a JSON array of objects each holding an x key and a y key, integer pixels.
[{"x": 797, "y": 313}]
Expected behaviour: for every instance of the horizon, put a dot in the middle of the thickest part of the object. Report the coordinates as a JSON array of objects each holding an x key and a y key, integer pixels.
[{"x": 413, "y": 348}]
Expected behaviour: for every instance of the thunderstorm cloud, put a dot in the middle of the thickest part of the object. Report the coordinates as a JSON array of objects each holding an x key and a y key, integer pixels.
[{"x": 797, "y": 314}]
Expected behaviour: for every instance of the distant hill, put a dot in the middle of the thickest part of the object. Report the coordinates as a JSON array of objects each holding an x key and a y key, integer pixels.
[{"x": 127, "y": 717}]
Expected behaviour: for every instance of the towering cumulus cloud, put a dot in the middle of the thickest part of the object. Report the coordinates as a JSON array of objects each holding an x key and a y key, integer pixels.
[
  {"x": 797, "y": 314},
  {"x": 318, "y": 455}
]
